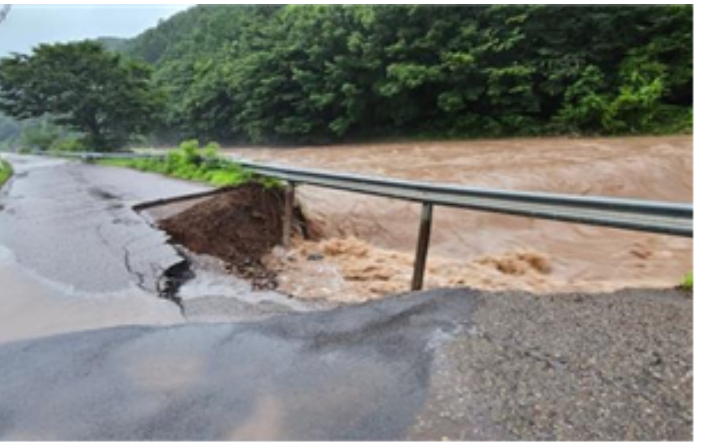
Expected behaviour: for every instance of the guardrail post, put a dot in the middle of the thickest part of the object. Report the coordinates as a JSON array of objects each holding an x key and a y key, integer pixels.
[
  {"x": 288, "y": 214},
  {"x": 422, "y": 246}
]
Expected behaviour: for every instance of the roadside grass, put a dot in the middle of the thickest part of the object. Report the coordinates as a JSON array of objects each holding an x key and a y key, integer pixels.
[
  {"x": 192, "y": 162},
  {"x": 687, "y": 282},
  {"x": 5, "y": 172}
]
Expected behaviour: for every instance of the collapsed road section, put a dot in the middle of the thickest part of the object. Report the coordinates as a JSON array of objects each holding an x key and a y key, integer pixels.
[
  {"x": 73, "y": 225},
  {"x": 238, "y": 227},
  {"x": 75, "y": 256}
]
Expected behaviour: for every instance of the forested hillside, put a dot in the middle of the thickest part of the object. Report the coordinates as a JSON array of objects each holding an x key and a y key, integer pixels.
[
  {"x": 323, "y": 73},
  {"x": 310, "y": 74}
]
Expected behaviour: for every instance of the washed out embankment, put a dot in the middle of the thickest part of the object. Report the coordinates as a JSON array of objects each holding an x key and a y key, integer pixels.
[
  {"x": 239, "y": 227},
  {"x": 485, "y": 250},
  {"x": 243, "y": 228},
  {"x": 367, "y": 243}
]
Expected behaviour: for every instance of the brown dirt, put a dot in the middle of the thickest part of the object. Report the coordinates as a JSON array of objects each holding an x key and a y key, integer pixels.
[{"x": 239, "y": 227}]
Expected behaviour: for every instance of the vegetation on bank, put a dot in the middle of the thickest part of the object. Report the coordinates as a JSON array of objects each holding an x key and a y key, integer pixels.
[
  {"x": 321, "y": 74},
  {"x": 687, "y": 282},
  {"x": 192, "y": 162},
  {"x": 5, "y": 172}
]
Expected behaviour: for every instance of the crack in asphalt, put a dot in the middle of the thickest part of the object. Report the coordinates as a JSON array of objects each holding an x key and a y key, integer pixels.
[
  {"x": 173, "y": 278},
  {"x": 129, "y": 268},
  {"x": 125, "y": 258},
  {"x": 169, "y": 293},
  {"x": 167, "y": 281}
]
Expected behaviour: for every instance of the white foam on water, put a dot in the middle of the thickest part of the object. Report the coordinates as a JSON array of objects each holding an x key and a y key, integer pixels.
[{"x": 209, "y": 283}]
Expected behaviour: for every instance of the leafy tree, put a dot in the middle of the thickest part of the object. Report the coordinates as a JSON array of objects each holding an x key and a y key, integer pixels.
[
  {"x": 82, "y": 87},
  {"x": 316, "y": 74}
]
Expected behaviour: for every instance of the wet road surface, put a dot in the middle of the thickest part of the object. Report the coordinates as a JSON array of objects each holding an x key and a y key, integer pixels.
[
  {"x": 73, "y": 224},
  {"x": 350, "y": 374},
  {"x": 74, "y": 256},
  {"x": 450, "y": 364}
]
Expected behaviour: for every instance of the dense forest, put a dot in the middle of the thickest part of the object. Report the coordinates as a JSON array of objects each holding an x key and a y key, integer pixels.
[{"x": 318, "y": 74}]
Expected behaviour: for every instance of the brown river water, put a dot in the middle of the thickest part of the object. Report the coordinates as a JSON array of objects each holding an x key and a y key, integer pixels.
[{"x": 368, "y": 242}]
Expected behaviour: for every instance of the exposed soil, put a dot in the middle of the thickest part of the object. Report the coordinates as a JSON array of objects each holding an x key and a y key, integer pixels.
[{"x": 239, "y": 227}]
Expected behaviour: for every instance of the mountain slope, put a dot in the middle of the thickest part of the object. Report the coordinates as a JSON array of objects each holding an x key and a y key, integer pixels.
[{"x": 328, "y": 73}]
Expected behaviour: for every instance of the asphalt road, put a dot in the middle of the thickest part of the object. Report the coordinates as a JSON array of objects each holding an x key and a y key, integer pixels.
[
  {"x": 73, "y": 224},
  {"x": 74, "y": 256},
  {"x": 445, "y": 364},
  {"x": 456, "y": 364}
]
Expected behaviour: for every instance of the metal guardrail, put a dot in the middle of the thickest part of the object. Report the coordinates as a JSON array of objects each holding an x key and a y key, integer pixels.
[
  {"x": 649, "y": 216},
  {"x": 89, "y": 156},
  {"x": 631, "y": 214}
]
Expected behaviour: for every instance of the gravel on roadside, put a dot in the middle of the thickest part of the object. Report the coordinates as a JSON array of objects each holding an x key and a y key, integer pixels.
[{"x": 573, "y": 366}]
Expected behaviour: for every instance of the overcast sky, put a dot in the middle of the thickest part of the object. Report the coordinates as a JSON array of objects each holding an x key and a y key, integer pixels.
[{"x": 28, "y": 25}]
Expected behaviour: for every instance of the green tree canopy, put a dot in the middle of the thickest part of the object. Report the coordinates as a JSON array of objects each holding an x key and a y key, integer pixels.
[
  {"x": 83, "y": 87},
  {"x": 316, "y": 73}
]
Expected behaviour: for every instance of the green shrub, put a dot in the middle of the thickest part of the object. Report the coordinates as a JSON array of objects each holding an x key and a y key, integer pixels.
[
  {"x": 224, "y": 178},
  {"x": 68, "y": 145},
  {"x": 192, "y": 162},
  {"x": 687, "y": 282},
  {"x": 5, "y": 172},
  {"x": 116, "y": 162}
]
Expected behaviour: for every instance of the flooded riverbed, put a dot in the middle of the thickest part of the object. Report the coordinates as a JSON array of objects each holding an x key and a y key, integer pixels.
[{"x": 484, "y": 250}]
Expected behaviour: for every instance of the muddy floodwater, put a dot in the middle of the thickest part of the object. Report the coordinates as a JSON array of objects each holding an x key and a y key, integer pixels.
[{"x": 369, "y": 241}]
